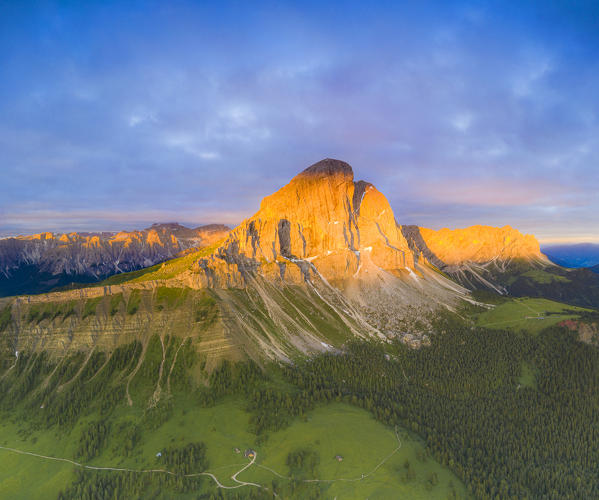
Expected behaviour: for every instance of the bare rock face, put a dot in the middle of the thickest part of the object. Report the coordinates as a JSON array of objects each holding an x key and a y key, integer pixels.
[
  {"x": 481, "y": 244},
  {"x": 37, "y": 263},
  {"x": 477, "y": 256},
  {"x": 321, "y": 223},
  {"x": 337, "y": 240},
  {"x": 588, "y": 331}
]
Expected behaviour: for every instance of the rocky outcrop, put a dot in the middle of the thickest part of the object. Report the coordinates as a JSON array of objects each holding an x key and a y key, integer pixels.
[
  {"x": 481, "y": 244},
  {"x": 477, "y": 256},
  {"x": 321, "y": 223},
  {"x": 33, "y": 264}
]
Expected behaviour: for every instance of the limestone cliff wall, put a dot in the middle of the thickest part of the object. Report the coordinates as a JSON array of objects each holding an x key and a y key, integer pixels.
[
  {"x": 476, "y": 244},
  {"x": 481, "y": 244},
  {"x": 321, "y": 222}
]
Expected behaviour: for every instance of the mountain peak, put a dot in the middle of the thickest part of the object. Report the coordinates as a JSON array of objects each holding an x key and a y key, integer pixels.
[
  {"x": 322, "y": 223},
  {"x": 329, "y": 167}
]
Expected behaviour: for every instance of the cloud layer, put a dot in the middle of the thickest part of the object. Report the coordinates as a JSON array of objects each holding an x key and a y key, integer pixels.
[{"x": 115, "y": 116}]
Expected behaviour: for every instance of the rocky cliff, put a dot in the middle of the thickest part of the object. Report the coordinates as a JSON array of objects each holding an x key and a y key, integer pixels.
[
  {"x": 322, "y": 223},
  {"x": 477, "y": 256},
  {"x": 336, "y": 236},
  {"x": 33, "y": 264},
  {"x": 481, "y": 244}
]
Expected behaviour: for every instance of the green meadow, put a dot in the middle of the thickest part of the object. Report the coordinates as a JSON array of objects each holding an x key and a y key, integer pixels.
[
  {"x": 329, "y": 430},
  {"x": 529, "y": 314}
]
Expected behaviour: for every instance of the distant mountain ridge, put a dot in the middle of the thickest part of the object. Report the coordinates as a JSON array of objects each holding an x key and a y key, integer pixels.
[
  {"x": 482, "y": 244},
  {"x": 40, "y": 262},
  {"x": 574, "y": 255}
]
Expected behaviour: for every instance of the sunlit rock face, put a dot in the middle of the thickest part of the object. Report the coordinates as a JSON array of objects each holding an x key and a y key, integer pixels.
[
  {"x": 322, "y": 223},
  {"x": 478, "y": 256},
  {"x": 480, "y": 244}
]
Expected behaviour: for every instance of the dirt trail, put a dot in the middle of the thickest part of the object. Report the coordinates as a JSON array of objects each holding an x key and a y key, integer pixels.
[
  {"x": 79, "y": 371},
  {"x": 108, "y": 358},
  {"x": 156, "y": 396},
  {"x": 9, "y": 369},
  {"x": 144, "y": 471},
  {"x": 239, "y": 482},
  {"x": 244, "y": 483},
  {"x": 528, "y": 307}
]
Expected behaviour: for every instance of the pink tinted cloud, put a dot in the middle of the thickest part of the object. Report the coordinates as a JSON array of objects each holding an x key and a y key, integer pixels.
[{"x": 498, "y": 192}]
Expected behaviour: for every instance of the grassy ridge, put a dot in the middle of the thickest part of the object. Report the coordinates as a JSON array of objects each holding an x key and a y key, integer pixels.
[
  {"x": 166, "y": 270},
  {"x": 543, "y": 277}
]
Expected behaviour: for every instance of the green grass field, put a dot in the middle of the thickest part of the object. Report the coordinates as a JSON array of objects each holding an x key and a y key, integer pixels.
[
  {"x": 24, "y": 477},
  {"x": 528, "y": 376},
  {"x": 526, "y": 314},
  {"x": 165, "y": 270},
  {"x": 350, "y": 432},
  {"x": 334, "y": 429}
]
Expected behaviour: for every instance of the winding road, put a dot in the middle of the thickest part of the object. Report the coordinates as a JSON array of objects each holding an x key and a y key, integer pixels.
[
  {"x": 145, "y": 471},
  {"x": 239, "y": 484}
]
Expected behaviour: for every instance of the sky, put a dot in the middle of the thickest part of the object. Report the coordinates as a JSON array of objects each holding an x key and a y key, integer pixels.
[{"x": 115, "y": 115}]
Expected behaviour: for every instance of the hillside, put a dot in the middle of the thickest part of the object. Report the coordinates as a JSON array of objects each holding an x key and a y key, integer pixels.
[
  {"x": 425, "y": 423},
  {"x": 41, "y": 262}
]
